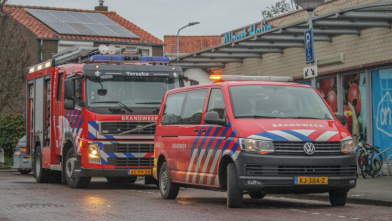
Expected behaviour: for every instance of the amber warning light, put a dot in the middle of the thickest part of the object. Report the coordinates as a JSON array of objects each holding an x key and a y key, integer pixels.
[{"x": 218, "y": 78}]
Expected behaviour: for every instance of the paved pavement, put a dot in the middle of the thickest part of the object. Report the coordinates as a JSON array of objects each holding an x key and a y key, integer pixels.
[
  {"x": 21, "y": 198},
  {"x": 377, "y": 191}
]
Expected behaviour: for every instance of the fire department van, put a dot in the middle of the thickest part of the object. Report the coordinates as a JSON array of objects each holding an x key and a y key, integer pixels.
[
  {"x": 253, "y": 135},
  {"x": 91, "y": 112}
]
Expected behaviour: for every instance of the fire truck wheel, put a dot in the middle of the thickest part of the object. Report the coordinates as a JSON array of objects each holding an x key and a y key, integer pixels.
[
  {"x": 25, "y": 172},
  {"x": 73, "y": 180},
  {"x": 338, "y": 198},
  {"x": 256, "y": 195},
  {"x": 167, "y": 189},
  {"x": 41, "y": 175},
  {"x": 234, "y": 193}
]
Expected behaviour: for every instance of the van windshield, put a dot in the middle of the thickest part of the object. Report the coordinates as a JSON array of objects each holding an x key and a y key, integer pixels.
[{"x": 266, "y": 101}]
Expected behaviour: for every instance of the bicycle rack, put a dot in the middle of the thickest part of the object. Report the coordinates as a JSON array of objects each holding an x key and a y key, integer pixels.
[{"x": 386, "y": 160}]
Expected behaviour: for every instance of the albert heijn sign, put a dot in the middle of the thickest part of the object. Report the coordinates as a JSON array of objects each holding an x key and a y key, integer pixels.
[{"x": 246, "y": 32}]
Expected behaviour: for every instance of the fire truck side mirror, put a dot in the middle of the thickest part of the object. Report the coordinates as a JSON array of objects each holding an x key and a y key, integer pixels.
[
  {"x": 69, "y": 89},
  {"x": 341, "y": 118},
  {"x": 69, "y": 105},
  {"x": 193, "y": 82},
  {"x": 212, "y": 117}
]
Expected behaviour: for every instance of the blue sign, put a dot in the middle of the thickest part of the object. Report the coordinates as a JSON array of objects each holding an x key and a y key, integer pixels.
[
  {"x": 309, "y": 46},
  {"x": 382, "y": 108},
  {"x": 252, "y": 30}
]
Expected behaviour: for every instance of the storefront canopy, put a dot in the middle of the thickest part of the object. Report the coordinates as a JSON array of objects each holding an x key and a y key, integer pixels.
[{"x": 347, "y": 21}]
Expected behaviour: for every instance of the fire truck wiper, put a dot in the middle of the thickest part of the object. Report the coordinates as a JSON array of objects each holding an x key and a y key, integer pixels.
[
  {"x": 114, "y": 102},
  {"x": 137, "y": 129},
  {"x": 255, "y": 116},
  {"x": 150, "y": 103}
]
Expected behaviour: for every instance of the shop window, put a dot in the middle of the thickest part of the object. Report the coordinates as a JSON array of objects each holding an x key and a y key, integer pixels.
[
  {"x": 328, "y": 89},
  {"x": 382, "y": 108},
  {"x": 354, "y": 101}
]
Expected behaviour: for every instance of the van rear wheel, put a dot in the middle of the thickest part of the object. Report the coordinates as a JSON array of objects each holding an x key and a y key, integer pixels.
[
  {"x": 234, "y": 193},
  {"x": 167, "y": 189}
]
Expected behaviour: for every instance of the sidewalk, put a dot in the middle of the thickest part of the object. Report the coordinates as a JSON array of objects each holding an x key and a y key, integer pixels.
[{"x": 377, "y": 191}]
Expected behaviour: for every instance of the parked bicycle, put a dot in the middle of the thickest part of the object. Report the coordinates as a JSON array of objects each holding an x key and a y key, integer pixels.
[{"x": 369, "y": 167}]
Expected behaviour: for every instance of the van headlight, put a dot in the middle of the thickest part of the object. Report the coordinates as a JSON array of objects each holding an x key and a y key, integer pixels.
[
  {"x": 93, "y": 153},
  {"x": 257, "y": 146},
  {"x": 347, "y": 146}
]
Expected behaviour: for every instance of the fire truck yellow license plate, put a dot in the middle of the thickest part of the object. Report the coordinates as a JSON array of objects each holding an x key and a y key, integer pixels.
[
  {"x": 140, "y": 172},
  {"x": 310, "y": 180}
]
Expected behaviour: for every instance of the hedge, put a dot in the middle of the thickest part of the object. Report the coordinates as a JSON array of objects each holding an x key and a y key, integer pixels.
[{"x": 12, "y": 128}]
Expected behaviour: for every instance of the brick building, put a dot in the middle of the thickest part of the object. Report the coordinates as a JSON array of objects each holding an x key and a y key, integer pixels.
[
  {"x": 352, "y": 44},
  {"x": 44, "y": 40}
]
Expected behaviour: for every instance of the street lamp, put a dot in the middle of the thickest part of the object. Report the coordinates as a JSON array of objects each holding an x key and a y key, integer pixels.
[
  {"x": 310, "y": 6},
  {"x": 178, "y": 39}
]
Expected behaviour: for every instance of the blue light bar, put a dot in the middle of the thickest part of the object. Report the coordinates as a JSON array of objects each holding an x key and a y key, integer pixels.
[
  {"x": 106, "y": 58},
  {"x": 155, "y": 59}
]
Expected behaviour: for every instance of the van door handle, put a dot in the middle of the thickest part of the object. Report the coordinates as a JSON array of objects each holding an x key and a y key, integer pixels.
[
  {"x": 203, "y": 130},
  {"x": 196, "y": 130}
]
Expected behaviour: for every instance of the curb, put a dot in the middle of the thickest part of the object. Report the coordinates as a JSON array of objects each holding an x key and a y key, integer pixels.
[{"x": 326, "y": 199}]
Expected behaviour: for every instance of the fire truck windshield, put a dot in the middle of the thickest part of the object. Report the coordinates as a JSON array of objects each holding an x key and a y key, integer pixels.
[
  {"x": 263, "y": 101},
  {"x": 146, "y": 91}
]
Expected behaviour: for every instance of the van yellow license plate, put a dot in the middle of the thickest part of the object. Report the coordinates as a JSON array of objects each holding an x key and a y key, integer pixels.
[
  {"x": 140, "y": 172},
  {"x": 310, "y": 180}
]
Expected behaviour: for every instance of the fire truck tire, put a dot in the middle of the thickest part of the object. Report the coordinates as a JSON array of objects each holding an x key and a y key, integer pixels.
[
  {"x": 167, "y": 189},
  {"x": 338, "y": 198},
  {"x": 72, "y": 180},
  {"x": 113, "y": 181},
  {"x": 256, "y": 195},
  {"x": 41, "y": 175},
  {"x": 234, "y": 193},
  {"x": 24, "y": 172}
]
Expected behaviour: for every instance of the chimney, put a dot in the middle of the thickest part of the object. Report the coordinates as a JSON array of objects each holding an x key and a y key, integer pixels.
[{"x": 101, "y": 7}]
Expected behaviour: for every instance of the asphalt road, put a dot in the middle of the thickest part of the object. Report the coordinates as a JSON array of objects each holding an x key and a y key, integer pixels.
[{"x": 21, "y": 198}]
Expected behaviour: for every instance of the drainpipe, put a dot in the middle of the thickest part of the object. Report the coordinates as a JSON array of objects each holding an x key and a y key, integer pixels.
[{"x": 40, "y": 48}]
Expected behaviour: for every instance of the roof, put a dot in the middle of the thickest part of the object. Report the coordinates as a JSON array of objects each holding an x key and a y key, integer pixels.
[
  {"x": 41, "y": 30},
  {"x": 190, "y": 44},
  {"x": 348, "y": 21}
]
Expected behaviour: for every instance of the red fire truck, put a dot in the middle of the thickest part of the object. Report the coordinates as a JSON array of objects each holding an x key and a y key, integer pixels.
[{"x": 93, "y": 114}]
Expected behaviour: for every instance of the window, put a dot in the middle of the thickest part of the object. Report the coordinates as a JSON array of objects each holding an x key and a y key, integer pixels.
[
  {"x": 217, "y": 103},
  {"x": 59, "y": 87},
  {"x": 79, "y": 91},
  {"x": 193, "y": 108},
  {"x": 173, "y": 108}
]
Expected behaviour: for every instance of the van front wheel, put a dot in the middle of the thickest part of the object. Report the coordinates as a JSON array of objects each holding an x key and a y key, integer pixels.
[
  {"x": 234, "y": 193},
  {"x": 167, "y": 189},
  {"x": 338, "y": 198}
]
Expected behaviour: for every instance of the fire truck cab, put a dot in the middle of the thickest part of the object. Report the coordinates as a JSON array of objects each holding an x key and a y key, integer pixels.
[
  {"x": 254, "y": 135},
  {"x": 93, "y": 114}
]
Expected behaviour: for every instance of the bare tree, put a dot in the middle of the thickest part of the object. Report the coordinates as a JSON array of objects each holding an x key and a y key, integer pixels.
[
  {"x": 14, "y": 59},
  {"x": 280, "y": 7}
]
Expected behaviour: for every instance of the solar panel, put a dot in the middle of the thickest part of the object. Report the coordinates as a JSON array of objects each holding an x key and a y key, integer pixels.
[
  {"x": 61, "y": 27},
  {"x": 81, "y": 23},
  {"x": 83, "y": 17},
  {"x": 62, "y": 16},
  {"x": 102, "y": 19},
  {"x": 101, "y": 30},
  {"x": 121, "y": 31}
]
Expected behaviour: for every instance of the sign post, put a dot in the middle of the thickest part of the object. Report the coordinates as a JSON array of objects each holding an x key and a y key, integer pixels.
[{"x": 309, "y": 46}]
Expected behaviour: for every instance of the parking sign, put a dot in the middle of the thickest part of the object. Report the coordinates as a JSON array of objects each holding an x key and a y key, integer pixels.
[{"x": 309, "y": 46}]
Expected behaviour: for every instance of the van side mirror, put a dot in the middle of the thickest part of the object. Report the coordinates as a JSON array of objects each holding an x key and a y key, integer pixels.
[
  {"x": 69, "y": 105},
  {"x": 212, "y": 117},
  {"x": 341, "y": 118},
  {"x": 193, "y": 82},
  {"x": 69, "y": 89}
]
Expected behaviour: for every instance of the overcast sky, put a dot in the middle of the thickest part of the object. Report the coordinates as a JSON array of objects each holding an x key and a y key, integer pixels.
[{"x": 165, "y": 17}]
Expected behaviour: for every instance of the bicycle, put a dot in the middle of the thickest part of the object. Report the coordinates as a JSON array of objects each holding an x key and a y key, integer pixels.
[{"x": 366, "y": 163}]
